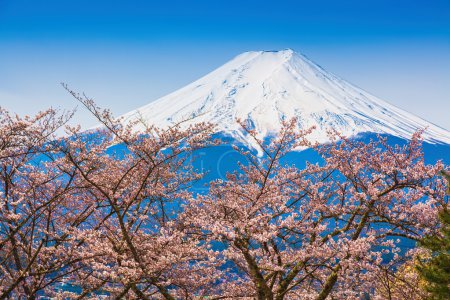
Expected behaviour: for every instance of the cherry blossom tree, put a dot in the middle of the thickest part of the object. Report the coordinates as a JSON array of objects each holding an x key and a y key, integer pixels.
[
  {"x": 405, "y": 283},
  {"x": 131, "y": 243},
  {"x": 322, "y": 232},
  {"x": 95, "y": 213},
  {"x": 32, "y": 195},
  {"x": 109, "y": 213}
]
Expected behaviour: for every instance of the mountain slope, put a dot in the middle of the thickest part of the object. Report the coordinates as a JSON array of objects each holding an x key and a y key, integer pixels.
[{"x": 265, "y": 87}]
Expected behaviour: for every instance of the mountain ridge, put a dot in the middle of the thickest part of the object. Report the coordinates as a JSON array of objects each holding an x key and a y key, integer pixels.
[{"x": 263, "y": 88}]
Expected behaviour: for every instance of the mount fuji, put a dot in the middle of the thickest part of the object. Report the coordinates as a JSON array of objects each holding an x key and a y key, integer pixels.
[{"x": 262, "y": 88}]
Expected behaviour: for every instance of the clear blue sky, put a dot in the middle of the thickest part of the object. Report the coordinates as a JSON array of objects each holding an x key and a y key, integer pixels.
[{"x": 128, "y": 53}]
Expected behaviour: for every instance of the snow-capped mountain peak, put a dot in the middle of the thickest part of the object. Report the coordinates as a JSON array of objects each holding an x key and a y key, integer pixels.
[{"x": 265, "y": 87}]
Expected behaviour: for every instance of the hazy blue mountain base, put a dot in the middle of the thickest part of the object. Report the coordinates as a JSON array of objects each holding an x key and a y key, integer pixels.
[{"x": 217, "y": 161}]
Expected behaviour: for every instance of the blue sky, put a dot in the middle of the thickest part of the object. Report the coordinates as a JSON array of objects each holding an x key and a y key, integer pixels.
[{"x": 127, "y": 53}]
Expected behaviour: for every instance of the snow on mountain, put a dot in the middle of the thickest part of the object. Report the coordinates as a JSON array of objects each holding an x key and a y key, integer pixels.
[{"x": 265, "y": 87}]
